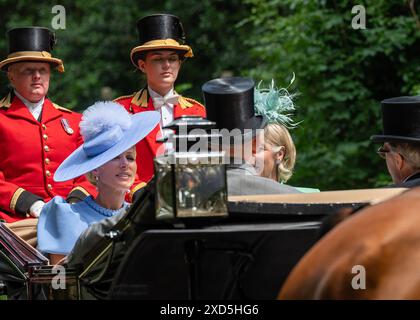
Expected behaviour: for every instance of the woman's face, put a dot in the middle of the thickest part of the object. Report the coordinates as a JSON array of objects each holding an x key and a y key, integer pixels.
[
  {"x": 161, "y": 68},
  {"x": 265, "y": 158},
  {"x": 119, "y": 173}
]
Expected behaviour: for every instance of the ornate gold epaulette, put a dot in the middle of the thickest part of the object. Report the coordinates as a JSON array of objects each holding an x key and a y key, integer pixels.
[
  {"x": 188, "y": 102},
  {"x": 61, "y": 108},
  {"x": 141, "y": 99},
  {"x": 5, "y": 102}
]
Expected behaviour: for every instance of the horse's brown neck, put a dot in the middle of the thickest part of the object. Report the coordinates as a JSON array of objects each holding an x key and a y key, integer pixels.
[{"x": 384, "y": 239}]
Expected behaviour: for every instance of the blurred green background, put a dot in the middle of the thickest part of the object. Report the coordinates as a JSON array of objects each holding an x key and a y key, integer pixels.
[{"x": 341, "y": 73}]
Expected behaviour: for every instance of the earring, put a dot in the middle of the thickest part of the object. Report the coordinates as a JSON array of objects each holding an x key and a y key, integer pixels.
[
  {"x": 96, "y": 184},
  {"x": 278, "y": 161}
]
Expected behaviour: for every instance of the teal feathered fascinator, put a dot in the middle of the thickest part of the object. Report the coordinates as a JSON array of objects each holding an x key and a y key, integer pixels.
[{"x": 276, "y": 104}]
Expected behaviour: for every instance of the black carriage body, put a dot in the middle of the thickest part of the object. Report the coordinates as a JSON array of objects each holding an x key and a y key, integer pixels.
[
  {"x": 17, "y": 261},
  {"x": 246, "y": 255}
]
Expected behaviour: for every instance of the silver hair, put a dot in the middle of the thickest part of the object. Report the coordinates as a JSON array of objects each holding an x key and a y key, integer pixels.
[{"x": 410, "y": 152}]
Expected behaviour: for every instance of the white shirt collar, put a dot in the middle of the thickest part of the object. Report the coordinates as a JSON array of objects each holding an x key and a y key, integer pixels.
[{"x": 154, "y": 94}]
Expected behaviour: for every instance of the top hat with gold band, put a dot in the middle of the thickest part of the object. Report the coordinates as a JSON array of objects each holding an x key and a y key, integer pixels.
[
  {"x": 31, "y": 44},
  {"x": 160, "y": 31}
]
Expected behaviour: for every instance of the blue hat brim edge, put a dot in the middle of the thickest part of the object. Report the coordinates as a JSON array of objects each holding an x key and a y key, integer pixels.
[{"x": 78, "y": 163}]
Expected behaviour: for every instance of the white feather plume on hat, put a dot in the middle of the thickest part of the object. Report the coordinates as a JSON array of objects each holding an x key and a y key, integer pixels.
[{"x": 102, "y": 116}]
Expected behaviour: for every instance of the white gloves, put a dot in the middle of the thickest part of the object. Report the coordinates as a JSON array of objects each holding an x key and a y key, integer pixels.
[{"x": 36, "y": 208}]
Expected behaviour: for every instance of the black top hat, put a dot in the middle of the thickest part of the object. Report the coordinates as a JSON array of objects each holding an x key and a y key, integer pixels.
[
  {"x": 31, "y": 44},
  {"x": 401, "y": 120},
  {"x": 230, "y": 103},
  {"x": 160, "y": 26},
  {"x": 160, "y": 31}
]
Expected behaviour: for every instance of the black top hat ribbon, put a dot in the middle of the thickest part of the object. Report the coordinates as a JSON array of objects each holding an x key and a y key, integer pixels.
[
  {"x": 31, "y": 44},
  {"x": 401, "y": 120},
  {"x": 230, "y": 103},
  {"x": 160, "y": 31}
]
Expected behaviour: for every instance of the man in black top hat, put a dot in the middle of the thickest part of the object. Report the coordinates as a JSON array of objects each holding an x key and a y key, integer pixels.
[
  {"x": 230, "y": 103},
  {"x": 400, "y": 148},
  {"x": 401, "y": 139},
  {"x": 36, "y": 134}
]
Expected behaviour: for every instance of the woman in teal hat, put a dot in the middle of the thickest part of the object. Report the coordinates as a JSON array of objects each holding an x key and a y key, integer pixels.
[{"x": 275, "y": 154}]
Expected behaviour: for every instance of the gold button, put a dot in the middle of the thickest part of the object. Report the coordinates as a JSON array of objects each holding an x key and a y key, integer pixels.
[
  {"x": 45, "y": 136},
  {"x": 49, "y": 187},
  {"x": 47, "y": 161},
  {"x": 48, "y": 173},
  {"x": 46, "y": 148},
  {"x": 44, "y": 127}
]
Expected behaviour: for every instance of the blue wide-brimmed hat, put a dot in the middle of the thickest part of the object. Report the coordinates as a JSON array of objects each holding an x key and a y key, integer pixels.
[{"x": 108, "y": 130}]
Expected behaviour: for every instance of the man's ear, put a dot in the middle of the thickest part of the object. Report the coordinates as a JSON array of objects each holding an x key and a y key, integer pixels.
[
  {"x": 141, "y": 64},
  {"x": 399, "y": 161},
  {"x": 10, "y": 74}
]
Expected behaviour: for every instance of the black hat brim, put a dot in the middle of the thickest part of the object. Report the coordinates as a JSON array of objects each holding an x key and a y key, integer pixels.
[
  {"x": 390, "y": 138},
  {"x": 251, "y": 126}
]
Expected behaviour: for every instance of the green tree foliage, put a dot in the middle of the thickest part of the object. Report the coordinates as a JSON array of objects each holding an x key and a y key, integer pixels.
[
  {"x": 99, "y": 36},
  {"x": 342, "y": 74}
]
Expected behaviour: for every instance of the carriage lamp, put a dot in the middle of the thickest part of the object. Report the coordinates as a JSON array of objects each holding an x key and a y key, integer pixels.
[{"x": 191, "y": 179}]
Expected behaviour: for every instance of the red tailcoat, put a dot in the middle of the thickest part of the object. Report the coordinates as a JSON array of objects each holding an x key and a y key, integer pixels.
[
  {"x": 148, "y": 148},
  {"x": 31, "y": 151}
]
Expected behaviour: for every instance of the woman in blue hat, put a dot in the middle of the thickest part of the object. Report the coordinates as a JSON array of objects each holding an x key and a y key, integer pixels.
[{"x": 108, "y": 158}]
